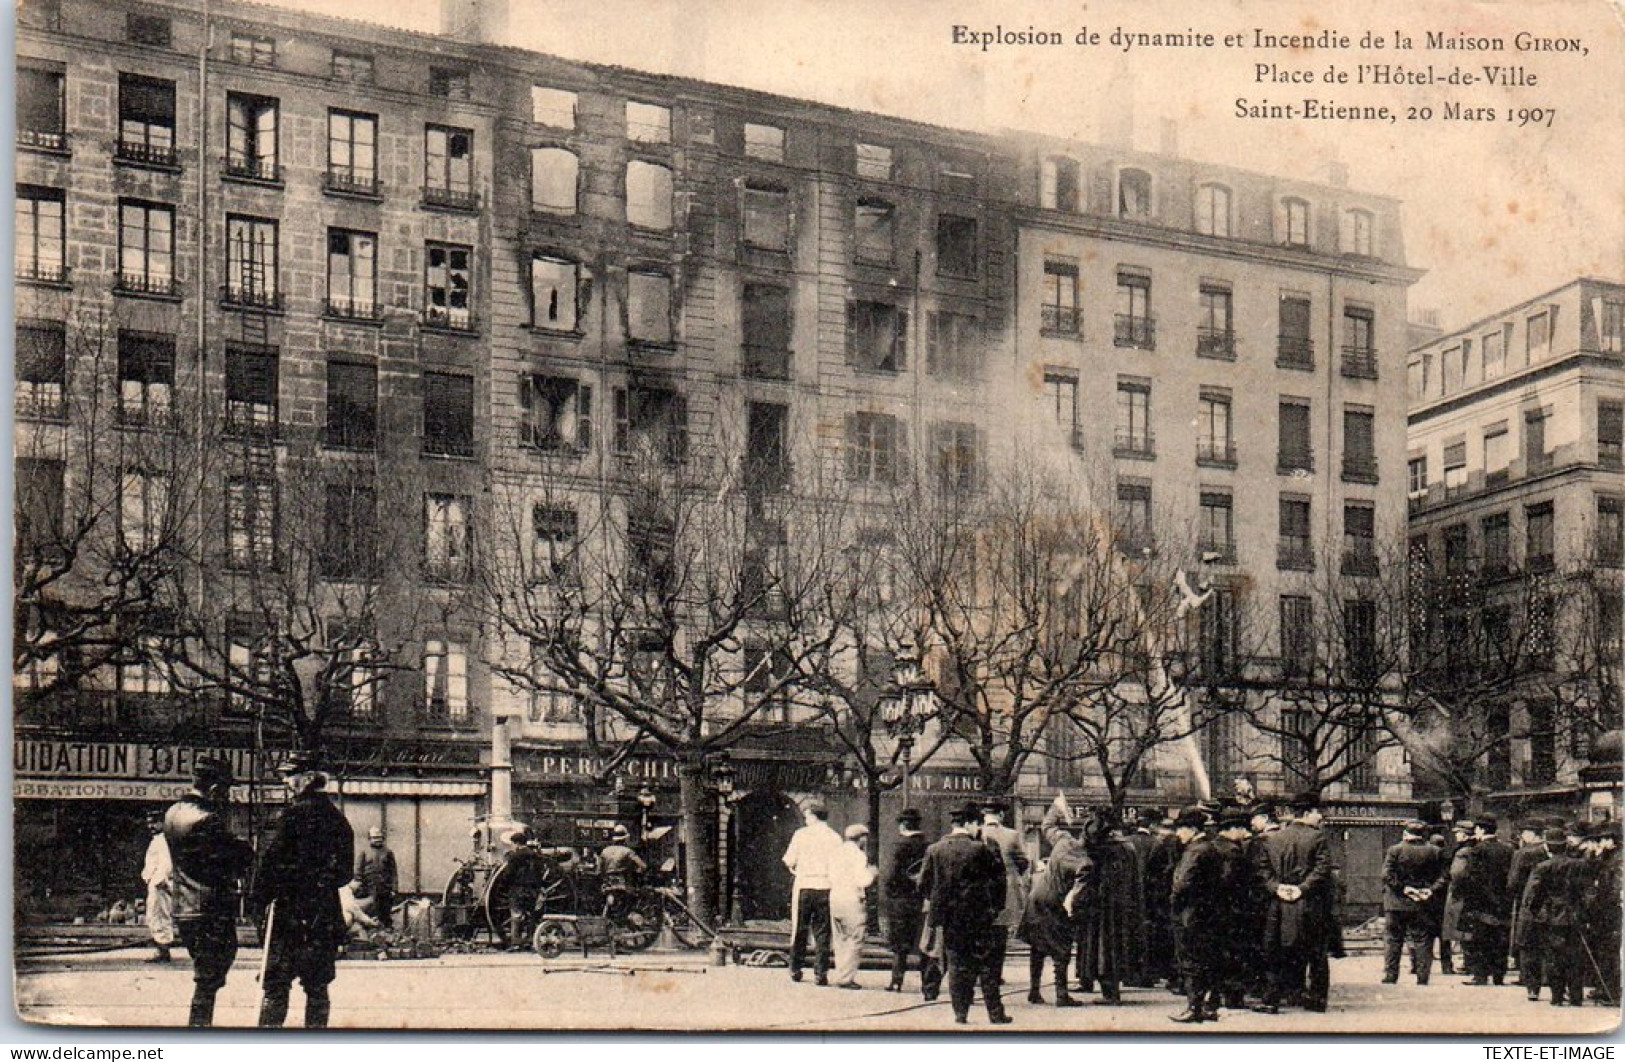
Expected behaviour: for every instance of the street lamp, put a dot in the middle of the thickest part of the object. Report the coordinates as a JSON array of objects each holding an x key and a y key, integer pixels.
[
  {"x": 646, "y": 803},
  {"x": 905, "y": 710},
  {"x": 723, "y": 778}
]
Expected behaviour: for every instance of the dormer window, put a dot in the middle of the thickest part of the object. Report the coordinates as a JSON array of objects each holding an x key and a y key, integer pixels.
[
  {"x": 1357, "y": 233},
  {"x": 1059, "y": 189},
  {"x": 1213, "y": 210},
  {"x": 1133, "y": 194},
  {"x": 1292, "y": 222}
]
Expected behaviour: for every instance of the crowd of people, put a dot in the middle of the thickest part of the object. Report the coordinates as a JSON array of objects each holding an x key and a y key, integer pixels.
[{"x": 1234, "y": 904}]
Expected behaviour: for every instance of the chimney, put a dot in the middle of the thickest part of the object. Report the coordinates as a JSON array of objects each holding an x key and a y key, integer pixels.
[
  {"x": 1117, "y": 113},
  {"x": 474, "y": 21},
  {"x": 1168, "y": 137}
]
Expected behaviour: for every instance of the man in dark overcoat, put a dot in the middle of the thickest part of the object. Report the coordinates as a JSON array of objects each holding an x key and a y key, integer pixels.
[
  {"x": 1413, "y": 873},
  {"x": 905, "y": 906},
  {"x": 1111, "y": 925},
  {"x": 1602, "y": 929},
  {"x": 1486, "y": 910},
  {"x": 1295, "y": 863},
  {"x": 1532, "y": 851},
  {"x": 1555, "y": 901},
  {"x": 1198, "y": 907},
  {"x": 1162, "y": 957},
  {"x": 208, "y": 863},
  {"x": 376, "y": 870},
  {"x": 963, "y": 880},
  {"x": 306, "y": 861},
  {"x": 1049, "y": 924}
]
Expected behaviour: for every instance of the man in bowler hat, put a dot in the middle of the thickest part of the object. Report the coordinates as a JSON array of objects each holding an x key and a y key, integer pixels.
[
  {"x": 1414, "y": 872},
  {"x": 208, "y": 862},
  {"x": 963, "y": 880},
  {"x": 905, "y": 907}
]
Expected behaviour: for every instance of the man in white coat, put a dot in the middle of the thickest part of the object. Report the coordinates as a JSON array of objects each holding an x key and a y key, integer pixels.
[
  {"x": 155, "y": 871},
  {"x": 812, "y": 851},
  {"x": 850, "y": 876}
]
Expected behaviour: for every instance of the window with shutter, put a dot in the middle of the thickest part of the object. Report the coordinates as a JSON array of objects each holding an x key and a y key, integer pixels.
[
  {"x": 1297, "y": 636},
  {"x": 146, "y": 120},
  {"x": 41, "y": 370},
  {"x": 1611, "y": 434},
  {"x": 557, "y": 413},
  {"x": 251, "y": 390},
  {"x": 146, "y": 365},
  {"x": 41, "y": 97},
  {"x": 765, "y": 309},
  {"x": 876, "y": 336},
  {"x": 351, "y": 532},
  {"x": 1293, "y": 552},
  {"x": 1295, "y": 349},
  {"x": 352, "y": 405},
  {"x": 1294, "y": 453},
  {"x": 1359, "y": 447},
  {"x": 553, "y": 557},
  {"x": 448, "y": 415},
  {"x": 1359, "y": 539},
  {"x": 39, "y": 505}
]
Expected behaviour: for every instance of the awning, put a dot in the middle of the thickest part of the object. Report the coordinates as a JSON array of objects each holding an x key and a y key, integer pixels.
[{"x": 406, "y": 787}]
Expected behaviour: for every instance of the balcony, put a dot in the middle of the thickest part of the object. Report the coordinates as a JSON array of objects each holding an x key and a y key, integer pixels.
[
  {"x": 1611, "y": 454},
  {"x": 256, "y": 171},
  {"x": 143, "y": 153},
  {"x": 365, "y": 310},
  {"x": 1137, "y": 332},
  {"x": 1294, "y": 352},
  {"x": 1062, "y": 320},
  {"x": 1295, "y": 462},
  {"x": 1292, "y": 554},
  {"x": 1359, "y": 363},
  {"x": 1360, "y": 561},
  {"x": 55, "y": 273},
  {"x": 765, "y": 362},
  {"x": 353, "y": 184},
  {"x": 1216, "y": 453},
  {"x": 250, "y": 297},
  {"x": 448, "y": 444},
  {"x": 1216, "y": 343},
  {"x": 1357, "y": 469},
  {"x": 464, "y": 201},
  {"x": 151, "y": 285},
  {"x": 1136, "y": 444},
  {"x": 36, "y": 400},
  {"x": 54, "y": 141},
  {"x": 451, "y": 319}
]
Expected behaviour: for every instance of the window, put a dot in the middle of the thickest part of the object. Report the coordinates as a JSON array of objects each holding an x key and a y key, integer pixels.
[
  {"x": 39, "y": 234},
  {"x": 648, "y": 308},
  {"x": 1134, "y": 514},
  {"x": 1359, "y": 446},
  {"x": 146, "y": 375},
  {"x": 144, "y": 676},
  {"x": 41, "y": 370},
  {"x": 553, "y": 177},
  {"x": 1357, "y": 233},
  {"x": 251, "y": 524},
  {"x": 1133, "y": 194},
  {"x": 1297, "y": 636},
  {"x": 556, "y": 414},
  {"x": 1538, "y": 336},
  {"x": 1458, "y": 555},
  {"x": 1293, "y": 552},
  {"x": 352, "y": 274},
  {"x": 143, "y": 503},
  {"x": 146, "y": 248},
  {"x": 446, "y": 536},
  {"x": 874, "y": 227},
  {"x": 1295, "y": 349},
  {"x": 953, "y": 345},
  {"x": 1359, "y": 350},
  {"x": 1610, "y": 329},
  {"x": 146, "y": 108},
  {"x": 1416, "y": 377},
  {"x": 1294, "y": 453},
  {"x": 651, "y": 544},
  {"x": 1215, "y": 444},
  {"x": 764, "y": 142},
  {"x": 450, "y": 84},
  {"x": 1359, "y": 539},
  {"x": 1496, "y": 532},
  {"x": 1058, "y": 184},
  {"x": 41, "y": 98},
  {"x": 251, "y": 262},
  {"x": 1292, "y": 222},
  {"x": 553, "y": 286},
  {"x": 648, "y": 123},
  {"x": 766, "y": 459},
  {"x": 356, "y": 682},
  {"x": 1216, "y": 634},
  {"x": 1061, "y": 396},
  {"x": 352, "y": 405},
  {"x": 1416, "y": 477},
  {"x": 39, "y": 500},
  {"x": 956, "y": 178},
  {"x": 1216, "y": 530},
  {"x": 873, "y": 161},
  {"x": 251, "y": 390},
  {"x": 445, "y": 681},
  {"x": 876, "y": 336},
  {"x": 955, "y": 463},
  {"x": 1494, "y": 346},
  {"x": 1213, "y": 210},
  {"x": 1134, "y": 436},
  {"x": 1360, "y": 640},
  {"x": 1539, "y": 522},
  {"x": 648, "y": 195},
  {"x": 1455, "y": 466},
  {"x": 874, "y": 448},
  {"x": 1060, "y": 309},
  {"x": 350, "y": 526},
  {"x": 353, "y": 67},
  {"x": 252, "y": 51},
  {"x": 768, "y": 670},
  {"x": 1497, "y": 454},
  {"x": 1452, "y": 369},
  {"x": 767, "y": 325},
  {"x": 448, "y": 285},
  {"x": 550, "y": 700},
  {"x": 448, "y": 167},
  {"x": 651, "y": 421},
  {"x": 1611, "y": 434},
  {"x": 1134, "y": 324},
  {"x": 553, "y": 557},
  {"x": 352, "y": 153},
  {"x": 554, "y": 107},
  {"x": 1610, "y": 530},
  {"x": 448, "y": 415},
  {"x": 1215, "y": 332},
  {"x": 151, "y": 30},
  {"x": 956, "y": 246},
  {"x": 767, "y": 216},
  {"x": 1535, "y": 456}
]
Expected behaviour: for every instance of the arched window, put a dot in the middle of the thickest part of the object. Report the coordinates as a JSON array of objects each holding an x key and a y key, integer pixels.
[
  {"x": 1133, "y": 194},
  {"x": 1213, "y": 210},
  {"x": 1060, "y": 184}
]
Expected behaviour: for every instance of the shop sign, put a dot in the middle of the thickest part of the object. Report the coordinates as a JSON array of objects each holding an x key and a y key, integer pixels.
[
  {"x": 33, "y": 758},
  {"x": 561, "y": 767},
  {"x": 133, "y": 789}
]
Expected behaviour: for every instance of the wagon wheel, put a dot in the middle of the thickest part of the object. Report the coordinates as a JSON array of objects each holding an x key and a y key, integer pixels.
[
  {"x": 556, "y": 896},
  {"x": 638, "y": 928},
  {"x": 549, "y": 940}
]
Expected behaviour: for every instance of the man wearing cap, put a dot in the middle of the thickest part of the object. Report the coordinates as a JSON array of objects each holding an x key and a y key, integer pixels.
[
  {"x": 1295, "y": 863},
  {"x": 905, "y": 906},
  {"x": 524, "y": 871},
  {"x": 156, "y": 869},
  {"x": 1479, "y": 878},
  {"x": 375, "y": 869},
  {"x": 812, "y": 851},
  {"x": 964, "y": 882},
  {"x": 306, "y": 861},
  {"x": 1555, "y": 902},
  {"x": 1413, "y": 872},
  {"x": 850, "y": 875},
  {"x": 1198, "y": 906},
  {"x": 620, "y": 870},
  {"x": 208, "y": 862},
  {"x": 1532, "y": 852}
]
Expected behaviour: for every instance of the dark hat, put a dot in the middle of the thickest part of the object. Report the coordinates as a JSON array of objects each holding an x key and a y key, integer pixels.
[
  {"x": 297, "y": 762},
  {"x": 993, "y": 807},
  {"x": 620, "y": 833},
  {"x": 1415, "y": 826},
  {"x": 1235, "y": 818},
  {"x": 1263, "y": 807},
  {"x": 1463, "y": 824},
  {"x": 908, "y": 817},
  {"x": 1192, "y": 816},
  {"x": 817, "y": 808},
  {"x": 1555, "y": 835},
  {"x": 211, "y": 770},
  {"x": 1303, "y": 801},
  {"x": 967, "y": 813}
]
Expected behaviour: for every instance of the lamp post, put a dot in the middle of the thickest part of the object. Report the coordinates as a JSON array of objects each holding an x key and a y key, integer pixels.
[
  {"x": 723, "y": 778},
  {"x": 646, "y": 803},
  {"x": 904, "y": 711}
]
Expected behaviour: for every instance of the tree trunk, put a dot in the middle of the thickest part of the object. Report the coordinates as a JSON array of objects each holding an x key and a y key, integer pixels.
[
  {"x": 699, "y": 840},
  {"x": 873, "y": 794}
]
